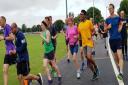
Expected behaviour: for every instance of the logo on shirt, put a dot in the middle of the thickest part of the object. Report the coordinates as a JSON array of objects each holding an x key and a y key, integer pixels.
[{"x": 23, "y": 41}]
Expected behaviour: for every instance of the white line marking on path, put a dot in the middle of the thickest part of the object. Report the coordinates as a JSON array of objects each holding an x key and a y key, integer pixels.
[{"x": 121, "y": 82}]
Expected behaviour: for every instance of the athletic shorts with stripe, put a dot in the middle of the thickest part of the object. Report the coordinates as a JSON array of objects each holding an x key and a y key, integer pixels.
[{"x": 23, "y": 68}]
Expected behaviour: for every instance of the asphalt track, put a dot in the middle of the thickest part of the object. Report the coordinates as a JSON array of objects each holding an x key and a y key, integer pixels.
[{"x": 107, "y": 75}]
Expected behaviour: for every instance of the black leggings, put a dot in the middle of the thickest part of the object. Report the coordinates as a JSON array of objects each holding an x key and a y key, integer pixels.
[{"x": 124, "y": 47}]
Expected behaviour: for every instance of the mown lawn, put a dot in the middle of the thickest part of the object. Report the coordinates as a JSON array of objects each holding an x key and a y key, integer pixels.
[{"x": 36, "y": 56}]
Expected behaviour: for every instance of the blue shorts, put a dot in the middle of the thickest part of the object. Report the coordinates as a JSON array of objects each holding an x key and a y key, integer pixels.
[
  {"x": 73, "y": 49},
  {"x": 115, "y": 44}
]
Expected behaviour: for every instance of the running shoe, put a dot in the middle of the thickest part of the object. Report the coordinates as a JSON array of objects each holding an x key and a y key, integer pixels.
[
  {"x": 50, "y": 82},
  {"x": 68, "y": 60},
  {"x": 120, "y": 76},
  {"x": 78, "y": 74},
  {"x": 94, "y": 77},
  {"x": 40, "y": 80},
  {"x": 59, "y": 80}
]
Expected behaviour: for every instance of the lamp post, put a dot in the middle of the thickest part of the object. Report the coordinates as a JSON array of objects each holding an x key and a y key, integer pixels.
[
  {"x": 93, "y": 11},
  {"x": 66, "y": 3}
]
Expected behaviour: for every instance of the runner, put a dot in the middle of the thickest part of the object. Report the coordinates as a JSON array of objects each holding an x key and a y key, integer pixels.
[
  {"x": 86, "y": 30},
  {"x": 124, "y": 35},
  {"x": 49, "y": 53},
  {"x": 67, "y": 45},
  {"x": 10, "y": 55},
  {"x": 53, "y": 32},
  {"x": 113, "y": 24},
  {"x": 104, "y": 34},
  {"x": 72, "y": 37},
  {"x": 23, "y": 58}
]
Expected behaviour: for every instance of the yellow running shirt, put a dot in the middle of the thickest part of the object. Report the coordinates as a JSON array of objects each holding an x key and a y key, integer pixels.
[{"x": 85, "y": 29}]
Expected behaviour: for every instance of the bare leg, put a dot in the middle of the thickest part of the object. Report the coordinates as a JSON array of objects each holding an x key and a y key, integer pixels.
[
  {"x": 75, "y": 59},
  {"x": 5, "y": 73},
  {"x": 56, "y": 68},
  {"x": 46, "y": 61},
  {"x": 21, "y": 79},
  {"x": 121, "y": 63}
]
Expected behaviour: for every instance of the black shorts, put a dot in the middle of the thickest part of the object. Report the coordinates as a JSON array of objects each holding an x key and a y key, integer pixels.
[
  {"x": 10, "y": 59},
  {"x": 80, "y": 43},
  {"x": 115, "y": 44},
  {"x": 49, "y": 56},
  {"x": 23, "y": 68}
]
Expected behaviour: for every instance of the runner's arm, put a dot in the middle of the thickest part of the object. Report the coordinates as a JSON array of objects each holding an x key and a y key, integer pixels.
[
  {"x": 120, "y": 26},
  {"x": 10, "y": 37}
]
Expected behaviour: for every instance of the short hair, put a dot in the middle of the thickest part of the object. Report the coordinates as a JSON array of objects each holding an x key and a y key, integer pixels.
[
  {"x": 83, "y": 11},
  {"x": 47, "y": 18},
  {"x": 112, "y": 5},
  {"x": 3, "y": 18},
  {"x": 14, "y": 25},
  {"x": 70, "y": 19},
  {"x": 122, "y": 11},
  {"x": 50, "y": 16}
]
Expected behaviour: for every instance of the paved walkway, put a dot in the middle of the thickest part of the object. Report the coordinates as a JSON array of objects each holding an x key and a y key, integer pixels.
[{"x": 107, "y": 75}]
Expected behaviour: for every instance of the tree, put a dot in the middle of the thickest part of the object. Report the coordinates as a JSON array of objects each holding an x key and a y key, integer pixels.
[
  {"x": 124, "y": 6},
  {"x": 34, "y": 28},
  {"x": 76, "y": 19},
  {"x": 28, "y": 30},
  {"x": 39, "y": 27},
  {"x": 24, "y": 28},
  {"x": 59, "y": 24},
  {"x": 97, "y": 14}
]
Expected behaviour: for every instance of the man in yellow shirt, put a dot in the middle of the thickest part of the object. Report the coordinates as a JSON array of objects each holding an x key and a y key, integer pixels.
[{"x": 86, "y": 30}]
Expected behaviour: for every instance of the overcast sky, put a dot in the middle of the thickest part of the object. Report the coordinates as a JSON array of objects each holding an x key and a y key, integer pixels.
[{"x": 33, "y": 12}]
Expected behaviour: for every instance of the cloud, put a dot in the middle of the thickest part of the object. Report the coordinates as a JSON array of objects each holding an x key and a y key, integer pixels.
[
  {"x": 13, "y": 5},
  {"x": 33, "y": 12}
]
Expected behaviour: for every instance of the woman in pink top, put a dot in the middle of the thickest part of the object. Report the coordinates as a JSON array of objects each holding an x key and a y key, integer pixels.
[{"x": 72, "y": 37}]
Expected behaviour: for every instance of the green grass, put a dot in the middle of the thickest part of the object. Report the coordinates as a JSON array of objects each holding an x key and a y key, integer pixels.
[{"x": 36, "y": 56}]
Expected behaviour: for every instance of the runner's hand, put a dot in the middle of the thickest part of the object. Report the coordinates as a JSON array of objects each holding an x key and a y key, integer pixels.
[
  {"x": 12, "y": 52},
  {"x": 109, "y": 26},
  {"x": 75, "y": 37}
]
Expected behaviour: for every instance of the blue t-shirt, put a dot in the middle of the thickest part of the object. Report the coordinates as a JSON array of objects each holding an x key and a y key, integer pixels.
[
  {"x": 21, "y": 47},
  {"x": 114, "y": 21}
]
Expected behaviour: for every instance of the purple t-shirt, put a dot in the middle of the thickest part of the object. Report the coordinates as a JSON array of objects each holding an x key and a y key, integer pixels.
[
  {"x": 70, "y": 33},
  {"x": 9, "y": 44}
]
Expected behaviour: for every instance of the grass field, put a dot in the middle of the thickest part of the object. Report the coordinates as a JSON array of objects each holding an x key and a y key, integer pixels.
[{"x": 36, "y": 56}]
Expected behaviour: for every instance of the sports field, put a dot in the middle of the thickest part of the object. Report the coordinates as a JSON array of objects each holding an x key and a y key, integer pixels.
[{"x": 36, "y": 56}]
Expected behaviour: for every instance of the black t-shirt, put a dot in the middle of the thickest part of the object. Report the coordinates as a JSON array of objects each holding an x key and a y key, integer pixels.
[
  {"x": 124, "y": 28},
  {"x": 53, "y": 32},
  {"x": 102, "y": 29}
]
